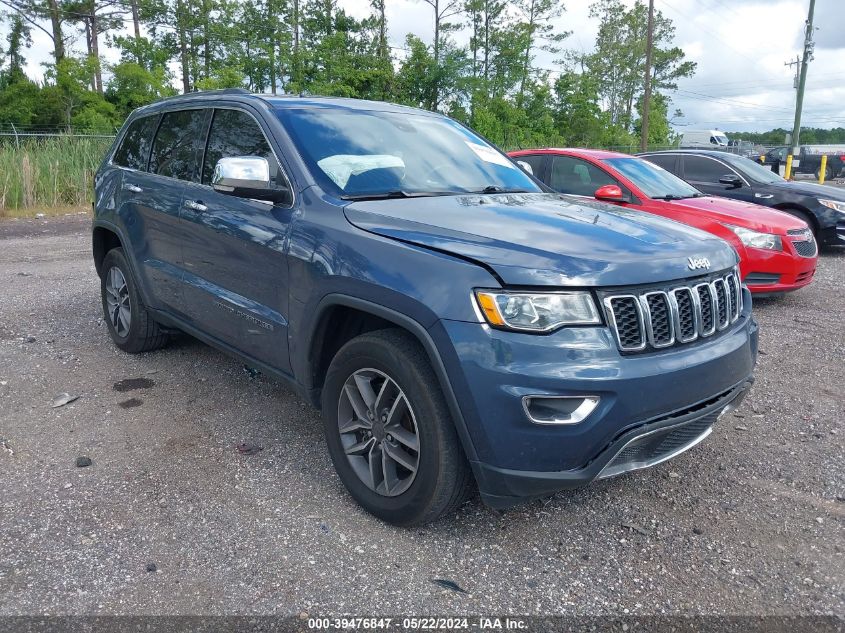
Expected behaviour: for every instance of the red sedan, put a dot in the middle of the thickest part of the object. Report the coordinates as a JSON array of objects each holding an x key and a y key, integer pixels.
[{"x": 777, "y": 250}]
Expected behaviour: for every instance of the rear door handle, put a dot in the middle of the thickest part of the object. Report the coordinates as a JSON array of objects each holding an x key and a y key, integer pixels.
[
  {"x": 195, "y": 206},
  {"x": 132, "y": 188}
]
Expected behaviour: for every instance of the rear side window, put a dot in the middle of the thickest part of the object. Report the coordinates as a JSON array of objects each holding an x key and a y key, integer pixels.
[
  {"x": 135, "y": 146},
  {"x": 667, "y": 162},
  {"x": 577, "y": 177},
  {"x": 235, "y": 133},
  {"x": 175, "y": 149},
  {"x": 699, "y": 169}
]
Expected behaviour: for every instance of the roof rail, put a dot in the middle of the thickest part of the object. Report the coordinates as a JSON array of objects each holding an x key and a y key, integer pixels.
[
  {"x": 224, "y": 91},
  {"x": 188, "y": 95}
]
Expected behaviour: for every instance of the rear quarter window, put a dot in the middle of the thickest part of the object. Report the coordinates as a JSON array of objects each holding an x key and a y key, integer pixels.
[{"x": 134, "y": 148}]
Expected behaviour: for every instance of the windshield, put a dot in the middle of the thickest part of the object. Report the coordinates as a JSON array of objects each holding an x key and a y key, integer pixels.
[
  {"x": 654, "y": 181},
  {"x": 358, "y": 154},
  {"x": 721, "y": 139},
  {"x": 754, "y": 171}
]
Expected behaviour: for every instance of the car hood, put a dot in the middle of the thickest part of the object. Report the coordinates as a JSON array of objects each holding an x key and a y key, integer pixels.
[
  {"x": 813, "y": 189},
  {"x": 547, "y": 239},
  {"x": 745, "y": 214}
]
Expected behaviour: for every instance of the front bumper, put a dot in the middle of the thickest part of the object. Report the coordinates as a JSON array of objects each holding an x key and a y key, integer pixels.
[
  {"x": 490, "y": 371},
  {"x": 833, "y": 235},
  {"x": 647, "y": 445},
  {"x": 773, "y": 272}
]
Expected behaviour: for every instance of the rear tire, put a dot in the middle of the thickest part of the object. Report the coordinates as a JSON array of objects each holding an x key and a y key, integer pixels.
[
  {"x": 130, "y": 324},
  {"x": 364, "y": 414}
]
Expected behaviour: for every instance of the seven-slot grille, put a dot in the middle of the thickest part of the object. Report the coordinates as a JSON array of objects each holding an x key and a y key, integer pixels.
[
  {"x": 802, "y": 240},
  {"x": 656, "y": 319}
]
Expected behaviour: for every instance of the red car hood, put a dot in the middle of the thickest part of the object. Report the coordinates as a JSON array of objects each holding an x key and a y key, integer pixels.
[{"x": 745, "y": 214}]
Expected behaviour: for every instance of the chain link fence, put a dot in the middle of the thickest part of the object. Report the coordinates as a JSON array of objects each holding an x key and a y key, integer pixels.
[{"x": 50, "y": 167}]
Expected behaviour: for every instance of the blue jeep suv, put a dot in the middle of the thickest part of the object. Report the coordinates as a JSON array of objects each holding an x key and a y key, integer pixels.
[{"x": 457, "y": 324}]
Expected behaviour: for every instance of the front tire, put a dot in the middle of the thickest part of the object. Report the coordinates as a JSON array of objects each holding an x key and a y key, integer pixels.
[
  {"x": 389, "y": 431},
  {"x": 130, "y": 325}
]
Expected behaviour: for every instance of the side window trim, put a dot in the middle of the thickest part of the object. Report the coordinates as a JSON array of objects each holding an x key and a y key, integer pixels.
[{"x": 281, "y": 166}]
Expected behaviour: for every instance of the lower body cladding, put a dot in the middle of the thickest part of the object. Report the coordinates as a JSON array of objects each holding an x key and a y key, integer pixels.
[{"x": 550, "y": 412}]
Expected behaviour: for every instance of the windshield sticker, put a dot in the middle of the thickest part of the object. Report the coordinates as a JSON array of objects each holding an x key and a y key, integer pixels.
[
  {"x": 489, "y": 155},
  {"x": 341, "y": 167}
]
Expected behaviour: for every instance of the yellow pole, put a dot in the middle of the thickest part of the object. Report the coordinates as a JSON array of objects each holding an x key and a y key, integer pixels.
[
  {"x": 823, "y": 169},
  {"x": 762, "y": 158},
  {"x": 788, "y": 171}
]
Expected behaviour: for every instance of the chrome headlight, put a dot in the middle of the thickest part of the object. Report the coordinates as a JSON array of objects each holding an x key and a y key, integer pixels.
[
  {"x": 755, "y": 239},
  {"x": 836, "y": 205},
  {"x": 537, "y": 312}
]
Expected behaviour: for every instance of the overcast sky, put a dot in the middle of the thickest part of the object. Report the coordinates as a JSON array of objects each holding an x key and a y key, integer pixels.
[{"x": 740, "y": 46}]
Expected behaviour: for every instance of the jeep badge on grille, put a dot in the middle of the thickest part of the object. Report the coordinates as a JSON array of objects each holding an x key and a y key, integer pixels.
[{"x": 694, "y": 263}]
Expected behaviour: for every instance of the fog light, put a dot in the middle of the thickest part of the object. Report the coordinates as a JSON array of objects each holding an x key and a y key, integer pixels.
[{"x": 559, "y": 409}]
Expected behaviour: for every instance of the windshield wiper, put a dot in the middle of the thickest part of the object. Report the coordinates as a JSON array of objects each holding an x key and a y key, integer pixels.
[
  {"x": 398, "y": 193},
  {"x": 498, "y": 189},
  {"x": 672, "y": 196}
]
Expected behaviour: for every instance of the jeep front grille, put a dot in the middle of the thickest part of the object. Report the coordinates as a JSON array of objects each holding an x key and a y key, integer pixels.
[{"x": 659, "y": 318}]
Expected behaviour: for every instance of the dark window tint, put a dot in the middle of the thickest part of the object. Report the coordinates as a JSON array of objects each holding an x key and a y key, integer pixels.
[
  {"x": 577, "y": 177},
  {"x": 700, "y": 169},
  {"x": 175, "y": 149},
  {"x": 135, "y": 146},
  {"x": 235, "y": 133},
  {"x": 664, "y": 161},
  {"x": 534, "y": 162}
]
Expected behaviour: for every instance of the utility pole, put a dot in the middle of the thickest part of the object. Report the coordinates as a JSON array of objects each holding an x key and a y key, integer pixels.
[
  {"x": 797, "y": 63},
  {"x": 647, "y": 93},
  {"x": 802, "y": 81}
]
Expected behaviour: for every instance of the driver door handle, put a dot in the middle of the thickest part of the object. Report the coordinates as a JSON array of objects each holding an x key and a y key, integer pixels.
[
  {"x": 195, "y": 206},
  {"x": 132, "y": 188}
]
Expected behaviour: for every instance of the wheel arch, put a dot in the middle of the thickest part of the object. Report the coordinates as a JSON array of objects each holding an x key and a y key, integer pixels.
[
  {"x": 801, "y": 212},
  {"x": 103, "y": 239},
  {"x": 339, "y": 318}
]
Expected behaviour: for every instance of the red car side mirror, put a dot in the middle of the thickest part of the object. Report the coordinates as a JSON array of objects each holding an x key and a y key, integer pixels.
[{"x": 610, "y": 193}]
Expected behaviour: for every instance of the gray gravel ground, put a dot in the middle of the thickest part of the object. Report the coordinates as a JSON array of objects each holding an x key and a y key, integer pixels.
[{"x": 748, "y": 522}]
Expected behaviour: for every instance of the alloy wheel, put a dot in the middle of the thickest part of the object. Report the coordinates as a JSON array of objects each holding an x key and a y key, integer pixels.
[
  {"x": 378, "y": 432},
  {"x": 118, "y": 305}
]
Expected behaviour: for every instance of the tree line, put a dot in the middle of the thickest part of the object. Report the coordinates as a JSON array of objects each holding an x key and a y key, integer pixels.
[
  {"x": 492, "y": 82},
  {"x": 809, "y": 136}
]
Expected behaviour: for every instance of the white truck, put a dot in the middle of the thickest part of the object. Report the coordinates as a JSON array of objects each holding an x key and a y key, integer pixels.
[{"x": 710, "y": 139}]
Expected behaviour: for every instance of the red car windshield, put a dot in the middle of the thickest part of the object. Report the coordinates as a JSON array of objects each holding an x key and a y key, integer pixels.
[{"x": 653, "y": 181}]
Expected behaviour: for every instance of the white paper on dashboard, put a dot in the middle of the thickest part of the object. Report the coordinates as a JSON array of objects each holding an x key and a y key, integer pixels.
[{"x": 488, "y": 154}]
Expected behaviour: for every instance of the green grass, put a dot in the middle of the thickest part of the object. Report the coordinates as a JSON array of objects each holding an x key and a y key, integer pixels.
[{"x": 49, "y": 173}]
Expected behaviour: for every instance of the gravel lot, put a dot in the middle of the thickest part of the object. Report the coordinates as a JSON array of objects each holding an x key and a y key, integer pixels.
[{"x": 748, "y": 522}]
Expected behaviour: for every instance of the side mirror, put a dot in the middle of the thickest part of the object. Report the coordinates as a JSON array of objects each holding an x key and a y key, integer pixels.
[
  {"x": 610, "y": 193},
  {"x": 731, "y": 179},
  {"x": 246, "y": 177}
]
